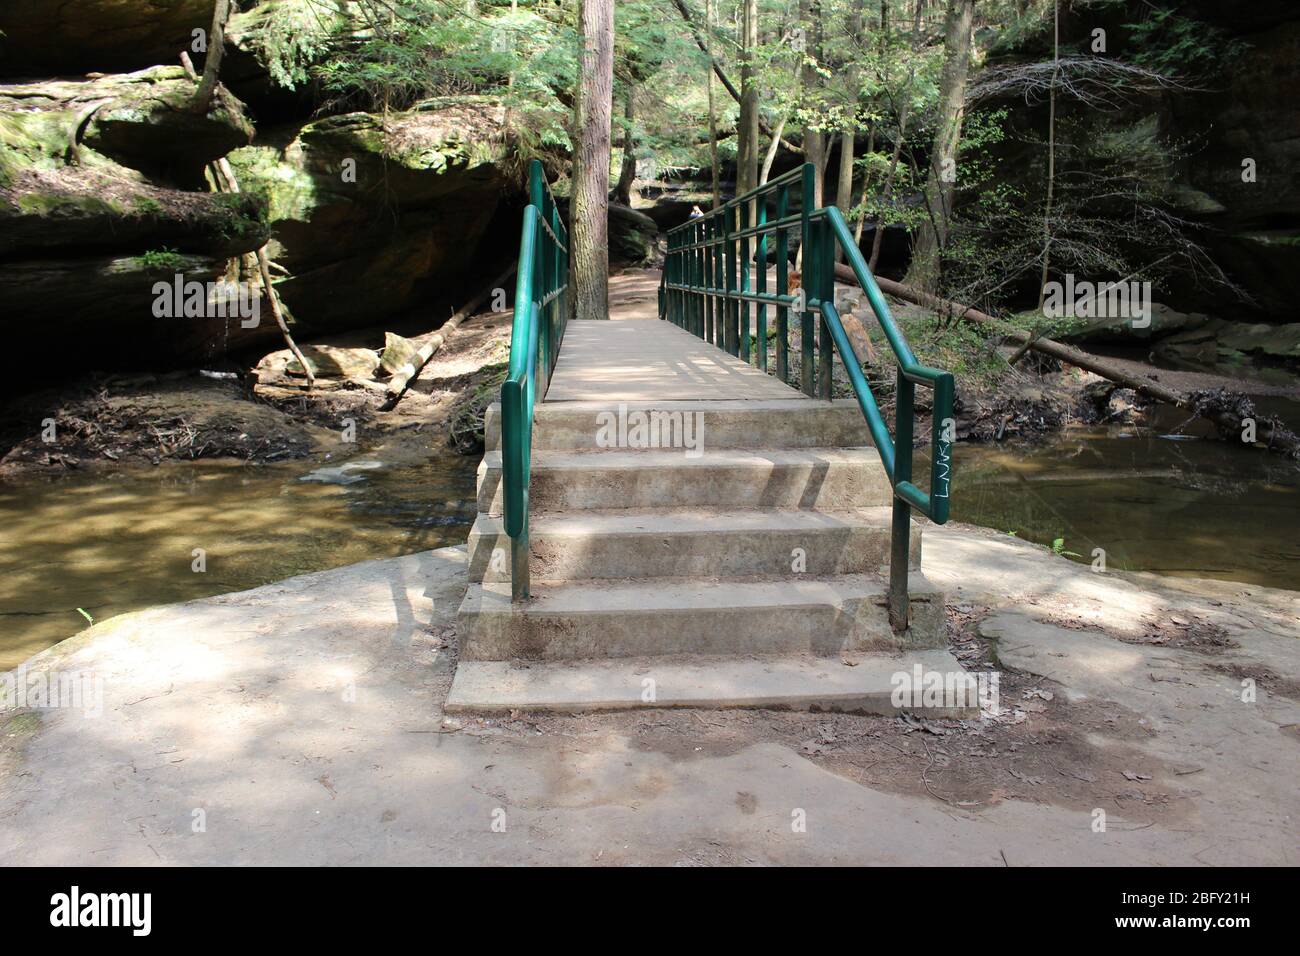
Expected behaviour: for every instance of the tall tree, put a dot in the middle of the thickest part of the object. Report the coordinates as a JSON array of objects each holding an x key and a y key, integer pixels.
[
  {"x": 713, "y": 116},
  {"x": 844, "y": 189},
  {"x": 814, "y": 140},
  {"x": 904, "y": 112},
  {"x": 589, "y": 235},
  {"x": 1051, "y": 152},
  {"x": 747, "y": 144},
  {"x": 941, "y": 181},
  {"x": 627, "y": 169}
]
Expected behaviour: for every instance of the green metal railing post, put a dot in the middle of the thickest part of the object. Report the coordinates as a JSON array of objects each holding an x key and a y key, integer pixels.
[
  {"x": 700, "y": 297},
  {"x": 782, "y": 288},
  {"x": 733, "y": 313},
  {"x": 743, "y": 212},
  {"x": 710, "y": 280},
  {"x": 760, "y": 263},
  {"x": 825, "y": 266},
  {"x": 901, "y": 529},
  {"x": 807, "y": 251}
]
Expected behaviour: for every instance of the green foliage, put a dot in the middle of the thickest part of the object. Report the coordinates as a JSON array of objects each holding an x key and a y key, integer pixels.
[
  {"x": 1058, "y": 548},
  {"x": 164, "y": 259},
  {"x": 148, "y": 206},
  {"x": 1173, "y": 44}
]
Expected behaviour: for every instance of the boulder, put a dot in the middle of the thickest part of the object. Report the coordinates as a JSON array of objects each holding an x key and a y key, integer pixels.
[
  {"x": 139, "y": 120},
  {"x": 1224, "y": 346},
  {"x": 632, "y": 235},
  {"x": 1164, "y": 321},
  {"x": 367, "y": 213},
  {"x": 84, "y": 237},
  {"x": 98, "y": 311},
  {"x": 48, "y": 37}
]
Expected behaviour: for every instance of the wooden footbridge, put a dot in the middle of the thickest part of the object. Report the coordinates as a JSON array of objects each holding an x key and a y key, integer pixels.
[{"x": 662, "y": 522}]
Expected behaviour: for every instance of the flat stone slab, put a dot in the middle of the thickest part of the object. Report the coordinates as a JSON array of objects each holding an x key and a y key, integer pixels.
[{"x": 864, "y": 685}]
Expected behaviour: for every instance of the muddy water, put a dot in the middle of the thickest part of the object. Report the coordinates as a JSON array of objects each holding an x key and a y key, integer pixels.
[
  {"x": 1152, "y": 499},
  {"x": 110, "y": 543}
]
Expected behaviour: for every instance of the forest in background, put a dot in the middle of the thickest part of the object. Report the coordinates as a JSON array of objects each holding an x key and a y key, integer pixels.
[{"x": 981, "y": 150}]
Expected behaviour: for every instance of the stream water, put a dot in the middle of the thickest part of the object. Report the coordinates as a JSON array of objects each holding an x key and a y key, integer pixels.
[
  {"x": 1169, "y": 499},
  {"x": 110, "y": 543}
]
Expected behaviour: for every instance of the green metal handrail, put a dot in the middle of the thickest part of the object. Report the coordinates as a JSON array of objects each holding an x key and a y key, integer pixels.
[
  {"x": 705, "y": 288},
  {"x": 541, "y": 313}
]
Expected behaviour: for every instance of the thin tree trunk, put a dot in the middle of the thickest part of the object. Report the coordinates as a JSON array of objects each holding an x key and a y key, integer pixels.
[
  {"x": 627, "y": 171},
  {"x": 747, "y": 128},
  {"x": 721, "y": 74},
  {"x": 212, "y": 62},
  {"x": 940, "y": 183},
  {"x": 844, "y": 188},
  {"x": 904, "y": 114},
  {"x": 272, "y": 297},
  {"x": 589, "y": 262},
  {"x": 713, "y": 116},
  {"x": 866, "y": 186},
  {"x": 766, "y": 171},
  {"x": 1051, "y": 152},
  {"x": 814, "y": 140}
]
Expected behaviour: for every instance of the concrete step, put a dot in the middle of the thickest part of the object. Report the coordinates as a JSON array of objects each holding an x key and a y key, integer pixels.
[
  {"x": 641, "y": 426},
  {"x": 825, "y": 479},
  {"x": 793, "y": 683},
  {"x": 595, "y": 619},
  {"x": 691, "y": 544}
]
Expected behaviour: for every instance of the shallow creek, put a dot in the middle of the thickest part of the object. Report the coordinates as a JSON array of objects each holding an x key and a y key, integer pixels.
[
  {"x": 1173, "y": 502},
  {"x": 113, "y": 542},
  {"x": 107, "y": 543}
]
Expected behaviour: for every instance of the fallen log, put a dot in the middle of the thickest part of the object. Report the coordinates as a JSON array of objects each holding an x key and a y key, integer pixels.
[
  {"x": 408, "y": 373},
  {"x": 1230, "y": 413}
]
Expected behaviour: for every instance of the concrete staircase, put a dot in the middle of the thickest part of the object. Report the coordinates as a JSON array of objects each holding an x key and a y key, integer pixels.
[{"x": 743, "y": 571}]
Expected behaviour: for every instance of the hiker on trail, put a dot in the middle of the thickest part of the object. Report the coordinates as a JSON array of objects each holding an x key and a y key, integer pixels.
[{"x": 696, "y": 212}]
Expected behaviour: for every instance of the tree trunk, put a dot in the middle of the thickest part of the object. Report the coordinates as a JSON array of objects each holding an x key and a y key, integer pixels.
[
  {"x": 589, "y": 262},
  {"x": 747, "y": 128},
  {"x": 713, "y": 116},
  {"x": 814, "y": 140},
  {"x": 766, "y": 171},
  {"x": 1051, "y": 153},
  {"x": 627, "y": 171},
  {"x": 940, "y": 183},
  {"x": 721, "y": 74},
  {"x": 844, "y": 188},
  {"x": 212, "y": 62}
]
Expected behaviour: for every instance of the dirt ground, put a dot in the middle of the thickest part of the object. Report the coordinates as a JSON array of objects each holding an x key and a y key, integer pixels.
[
  {"x": 255, "y": 413},
  {"x": 304, "y": 720}
]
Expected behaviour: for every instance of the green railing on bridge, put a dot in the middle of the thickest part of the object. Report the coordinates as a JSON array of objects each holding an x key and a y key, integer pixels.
[
  {"x": 708, "y": 287},
  {"x": 541, "y": 312}
]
